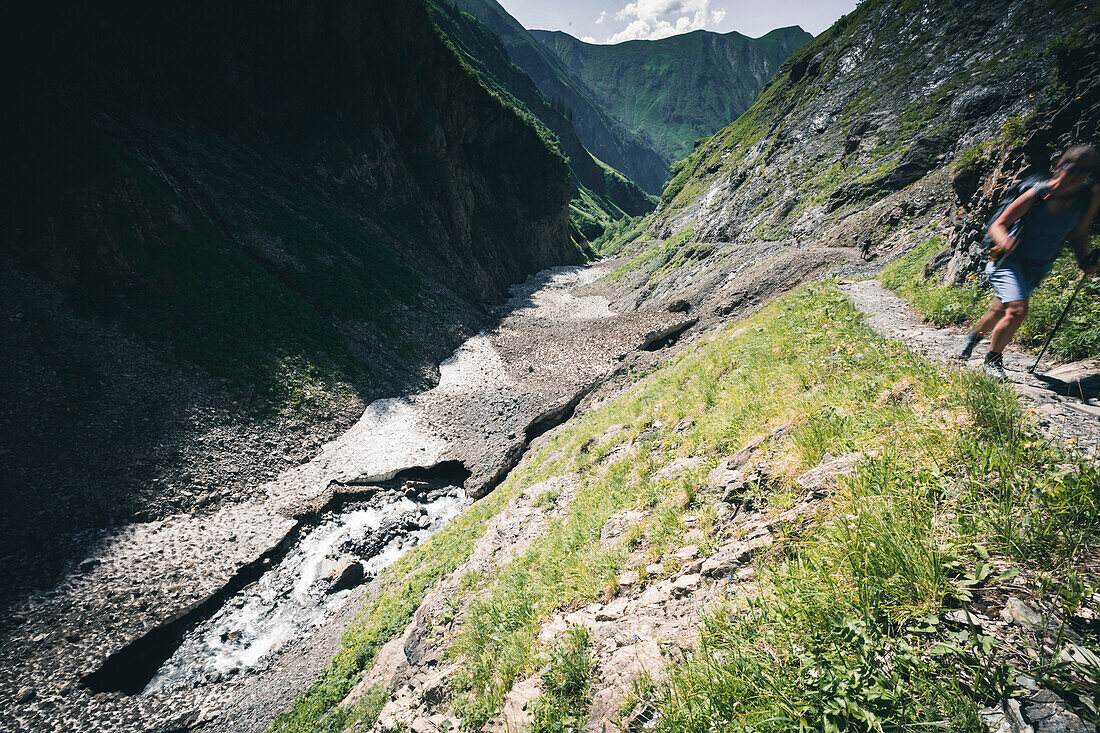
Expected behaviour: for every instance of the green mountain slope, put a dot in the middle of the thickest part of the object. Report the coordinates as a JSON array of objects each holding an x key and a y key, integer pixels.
[
  {"x": 603, "y": 194},
  {"x": 606, "y": 137},
  {"x": 676, "y": 90}
]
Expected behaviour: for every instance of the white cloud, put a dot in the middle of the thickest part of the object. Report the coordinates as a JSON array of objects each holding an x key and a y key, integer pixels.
[
  {"x": 603, "y": 17},
  {"x": 651, "y": 19},
  {"x": 589, "y": 39}
]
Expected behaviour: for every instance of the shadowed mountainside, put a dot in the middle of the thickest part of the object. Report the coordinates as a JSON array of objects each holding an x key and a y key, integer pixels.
[
  {"x": 602, "y": 193},
  {"x": 605, "y": 136},
  {"x": 226, "y": 229}
]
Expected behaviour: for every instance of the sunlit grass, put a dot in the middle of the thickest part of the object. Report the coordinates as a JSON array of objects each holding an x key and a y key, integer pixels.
[{"x": 953, "y": 464}]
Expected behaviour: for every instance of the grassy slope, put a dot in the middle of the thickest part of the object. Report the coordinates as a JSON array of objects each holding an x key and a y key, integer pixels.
[
  {"x": 958, "y": 468},
  {"x": 678, "y": 89}
]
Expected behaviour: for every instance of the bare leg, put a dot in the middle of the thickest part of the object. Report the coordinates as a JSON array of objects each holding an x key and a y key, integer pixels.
[
  {"x": 1014, "y": 314},
  {"x": 992, "y": 316}
]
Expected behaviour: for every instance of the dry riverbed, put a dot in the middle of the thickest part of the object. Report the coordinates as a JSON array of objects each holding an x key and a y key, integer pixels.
[{"x": 88, "y": 653}]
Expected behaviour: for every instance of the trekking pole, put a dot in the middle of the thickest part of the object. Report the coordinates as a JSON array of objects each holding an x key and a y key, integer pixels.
[{"x": 1081, "y": 284}]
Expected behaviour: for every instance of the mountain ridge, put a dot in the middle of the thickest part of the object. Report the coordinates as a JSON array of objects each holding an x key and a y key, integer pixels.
[
  {"x": 675, "y": 90},
  {"x": 604, "y": 136},
  {"x": 603, "y": 194}
]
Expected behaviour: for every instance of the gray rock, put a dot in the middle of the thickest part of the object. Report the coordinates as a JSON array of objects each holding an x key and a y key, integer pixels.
[
  {"x": 732, "y": 484},
  {"x": 678, "y": 467},
  {"x": 25, "y": 694},
  {"x": 1018, "y": 612},
  {"x": 818, "y": 479},
  {"x": 686, "y": 584},
  {"x": 730, "y": 557},
  {"x": 684, "y": 554},
  {"x": 1052, "y": 718},
  {"x": 619, "y": 523},
  {"x": 349, "y": 575}
]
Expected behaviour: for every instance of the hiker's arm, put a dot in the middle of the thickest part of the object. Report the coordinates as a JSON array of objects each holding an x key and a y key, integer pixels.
[
  {"x": 1004, "y": 243},
  {"x": 1079, "y": 237}
]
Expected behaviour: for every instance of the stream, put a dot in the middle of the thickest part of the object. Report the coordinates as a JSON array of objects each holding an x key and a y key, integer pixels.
[
  {"x": 355, "y": 540},
  {"x": 193, "y": 618},
  {"x": 309, "y": 585}
]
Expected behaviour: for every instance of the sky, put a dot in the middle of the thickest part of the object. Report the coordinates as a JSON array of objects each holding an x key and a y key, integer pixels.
[{"x": 614, "y": 21}]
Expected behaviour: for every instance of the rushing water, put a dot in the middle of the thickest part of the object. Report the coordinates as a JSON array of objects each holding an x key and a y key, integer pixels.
[{"x": 296, "y": 595}]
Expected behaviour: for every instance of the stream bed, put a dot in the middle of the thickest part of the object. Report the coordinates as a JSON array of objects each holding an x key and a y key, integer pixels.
[{"x": 309, "y": 585}]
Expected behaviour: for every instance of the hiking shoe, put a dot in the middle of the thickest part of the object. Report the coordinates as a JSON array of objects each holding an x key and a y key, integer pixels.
[
  {"x": 994, "y": 366},
  {"x": 967, "y": 348}
]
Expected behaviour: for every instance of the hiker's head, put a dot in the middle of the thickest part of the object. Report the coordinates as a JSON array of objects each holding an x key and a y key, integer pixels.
[{"x": 1075, "y": 165}]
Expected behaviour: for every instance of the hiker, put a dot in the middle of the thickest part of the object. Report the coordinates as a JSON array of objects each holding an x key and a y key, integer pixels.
[
  {"x": 1021, "y": 256},
  {"x": 866, "y": 250}
]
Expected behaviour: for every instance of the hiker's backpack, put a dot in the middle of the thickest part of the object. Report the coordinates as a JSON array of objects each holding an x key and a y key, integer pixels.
[{"x": 1015, "y": 191}]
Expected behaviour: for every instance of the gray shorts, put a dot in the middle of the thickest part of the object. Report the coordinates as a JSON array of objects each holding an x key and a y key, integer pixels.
[{"x": 1015, "y": 279}]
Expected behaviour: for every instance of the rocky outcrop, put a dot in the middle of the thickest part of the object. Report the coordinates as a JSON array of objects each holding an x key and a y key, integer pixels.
[
  {"x": 236, "y": 227},
  {"x": 884, "y": 97},
  {"x": 1069, "y": 114},
  {"x": 649, "y": 623}
]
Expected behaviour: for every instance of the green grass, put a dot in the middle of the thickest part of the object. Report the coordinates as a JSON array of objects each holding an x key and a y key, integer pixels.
[
  {"x": 567, "y": 680},
  {"x": 840, "y": 636},
  {"x": 621, "y": 234},
  {"x": 655, "y": 257},
  {"x": 945, "y": 305}
]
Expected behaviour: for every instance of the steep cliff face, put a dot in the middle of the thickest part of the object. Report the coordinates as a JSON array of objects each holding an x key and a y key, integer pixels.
[
  {"x": 676, "y": 90},
  {"x": 603, "y": 195},
  {"x": 889, "y": 94},
  {"x": 232, "y": 225},
  {"x": 605, "y": 136}
]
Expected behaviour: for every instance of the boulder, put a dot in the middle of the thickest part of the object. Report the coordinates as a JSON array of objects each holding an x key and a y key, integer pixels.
[
  {"x": 629, "y": 578},
  {"x": 613, "y": 610},
  {"x": 730, "y": 557},
  {"x": 1054, "y": 718},
  {"x": 679, "y": 467},
  {"x": 619, "y": 523},
  {"x": 517, "y": 712},
  {"x": 1018, "y": 612},
  {"x": 342, "y": 574},
  {"x": 685, "y": 554},
  {"x": 435, "y": 685},
  {"x": 824, "y": 476},
  {"x": 686, "y": 584}
]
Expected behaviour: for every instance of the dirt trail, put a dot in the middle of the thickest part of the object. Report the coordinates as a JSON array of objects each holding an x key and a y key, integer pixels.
[{"x": 1065, "y": 395}]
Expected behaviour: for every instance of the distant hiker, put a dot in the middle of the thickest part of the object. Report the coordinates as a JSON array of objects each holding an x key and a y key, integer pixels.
[
  {"x": 1027, "y": 237},
  {"x": 866, "y": 252}
]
